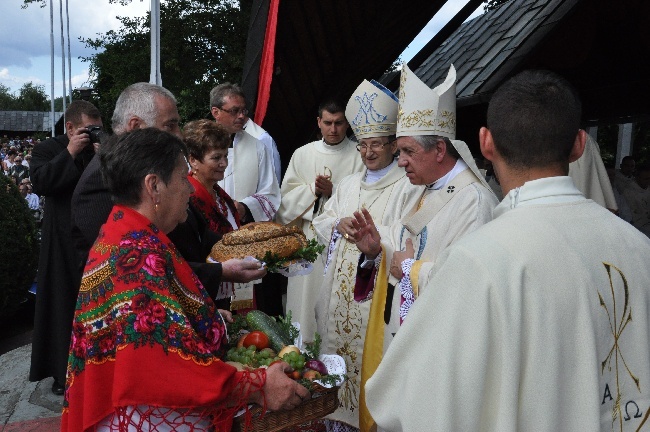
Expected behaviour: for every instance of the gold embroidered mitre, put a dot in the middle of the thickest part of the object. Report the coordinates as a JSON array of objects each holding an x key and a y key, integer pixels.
[
  {"x": 425, "y": 111},
  {"x": 372, "y": 111}
]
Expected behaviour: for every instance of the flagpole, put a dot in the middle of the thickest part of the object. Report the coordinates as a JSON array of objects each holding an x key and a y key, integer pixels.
[
  {"x": 67, "y": 17},
  {"x": 155, "y": 76},
  {"x": 52, "y": 66},
  {"x": 62, "y": 57}
]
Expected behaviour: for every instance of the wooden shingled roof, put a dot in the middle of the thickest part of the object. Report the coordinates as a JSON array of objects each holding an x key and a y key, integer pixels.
[
  {"x": 601, "y": 46},
  {"x": 26, "y": 121}
]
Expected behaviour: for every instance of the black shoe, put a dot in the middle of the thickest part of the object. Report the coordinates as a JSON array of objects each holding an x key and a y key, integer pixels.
[{"x": 57, "y": 388}]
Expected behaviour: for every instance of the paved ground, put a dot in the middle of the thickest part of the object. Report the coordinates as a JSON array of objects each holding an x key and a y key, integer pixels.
[{"x": 24, "y": 405}]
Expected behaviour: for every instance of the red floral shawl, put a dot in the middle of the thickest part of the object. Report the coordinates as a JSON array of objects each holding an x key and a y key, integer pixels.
[
  {"x": 205, "y": 202},
  {"x": 146, "y": 333}
]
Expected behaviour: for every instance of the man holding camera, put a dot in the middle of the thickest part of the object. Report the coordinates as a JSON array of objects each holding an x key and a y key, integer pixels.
[{"x": 56, "y": 167}]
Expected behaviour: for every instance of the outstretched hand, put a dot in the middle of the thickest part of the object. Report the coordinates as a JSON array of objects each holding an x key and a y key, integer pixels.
[
  {"x": 366, "y": 237},
  {"x": 399, "y": 257},
  {"x": 241, "y": 270},
  {"x": 280, "y": 391}
]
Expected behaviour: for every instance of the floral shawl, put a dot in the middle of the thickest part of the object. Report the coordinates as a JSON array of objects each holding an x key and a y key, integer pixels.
[
  {"x": 146, "y": 335},
  {"x": 205, "y": 202}
]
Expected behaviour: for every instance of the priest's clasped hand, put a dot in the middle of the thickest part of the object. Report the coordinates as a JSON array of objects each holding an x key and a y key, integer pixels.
[
  {"x": 323, "y": 186},
  {"x": 399, "y": 257},
  {"x": 366, "y": 236}
]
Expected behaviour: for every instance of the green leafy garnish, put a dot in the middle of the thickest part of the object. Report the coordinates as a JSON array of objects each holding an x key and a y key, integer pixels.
[
  {"x": 331, "y": 379},
  {"x": 312, "y": 349},
  {"x": 309, "y": 253},
  {"x": 234, "y": 329},
  {"x": 287, "y": 326}
]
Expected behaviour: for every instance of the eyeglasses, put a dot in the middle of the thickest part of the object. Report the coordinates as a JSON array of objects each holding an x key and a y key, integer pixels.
[
  {"x": 234, "y": 111},
  {"x": 374, "y": 147}
]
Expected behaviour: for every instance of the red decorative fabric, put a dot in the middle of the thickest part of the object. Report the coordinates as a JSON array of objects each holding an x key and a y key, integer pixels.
[
  {"x": 146, "y": 338},
  {"x": 266, "y": 64},
  {"x": 214, "y": 212}
]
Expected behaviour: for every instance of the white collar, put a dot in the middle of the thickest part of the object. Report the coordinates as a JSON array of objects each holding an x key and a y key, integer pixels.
[
  {"x": 459, "y": 167},
  {"x": 326, "y": 148},
  {"x": 548, "y": 190},
  {"x": 374, "y": 176}
]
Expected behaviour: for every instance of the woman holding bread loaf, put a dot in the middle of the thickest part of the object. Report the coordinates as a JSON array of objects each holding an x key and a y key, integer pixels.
[
  {"x": 143, "y": 353},
  {"x": 207, "y": 143}
]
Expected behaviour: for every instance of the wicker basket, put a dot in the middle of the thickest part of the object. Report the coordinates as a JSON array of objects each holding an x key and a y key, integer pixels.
[{"x": 322, "y": 403}]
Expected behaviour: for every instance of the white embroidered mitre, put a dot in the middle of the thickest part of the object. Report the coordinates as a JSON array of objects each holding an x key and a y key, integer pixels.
[
  {"x": 372, "y": 111},
  {"x": 425, "y": 111}
]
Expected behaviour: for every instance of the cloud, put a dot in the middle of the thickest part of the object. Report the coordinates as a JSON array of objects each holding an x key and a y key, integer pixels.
[{"x": 25, "y": 33}]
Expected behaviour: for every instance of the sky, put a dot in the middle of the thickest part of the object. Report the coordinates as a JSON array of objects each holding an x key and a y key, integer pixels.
[{"x": 25, "y": 38}]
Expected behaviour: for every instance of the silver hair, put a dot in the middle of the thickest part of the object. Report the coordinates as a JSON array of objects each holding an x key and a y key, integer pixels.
[
  {"x": 218, "y": 93},
  {"x": 428, "y": 142},
  {"x": 139, "y": 100}
]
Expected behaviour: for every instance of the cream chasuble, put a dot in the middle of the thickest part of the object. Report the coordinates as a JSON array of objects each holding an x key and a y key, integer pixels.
[
  {"x": 298, "y": 199},
  {"x": 249, "y": 177},
  {"x": 443, "y": 216},
  {"x": 538, "y": 321},
  {"x": 341, "y": 321},
  {"x": 590, "y": 177}
]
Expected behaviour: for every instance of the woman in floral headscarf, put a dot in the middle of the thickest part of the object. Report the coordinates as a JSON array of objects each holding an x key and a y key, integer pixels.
[{"x": 146, "y": 334}]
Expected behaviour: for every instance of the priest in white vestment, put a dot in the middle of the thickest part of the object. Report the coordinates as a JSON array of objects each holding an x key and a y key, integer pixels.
[
  {"x": 456, "y": 200},
  {"x": 314, "y": 171},
  {"x": 261, "y": 134},
  {"x": 539, "y": 320},
  {"x": 590, "y": 176},
  {"x": 637, "y": 195},
  {"x": 249, "y": 178},
  {"x": 383, "y": 189}
]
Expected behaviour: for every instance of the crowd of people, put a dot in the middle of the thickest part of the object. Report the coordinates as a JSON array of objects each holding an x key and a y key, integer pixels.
[{"x": 460, "y": 298}]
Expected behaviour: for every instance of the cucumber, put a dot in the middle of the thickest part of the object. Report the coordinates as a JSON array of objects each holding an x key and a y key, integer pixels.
[{"x": 258, "y": 320}]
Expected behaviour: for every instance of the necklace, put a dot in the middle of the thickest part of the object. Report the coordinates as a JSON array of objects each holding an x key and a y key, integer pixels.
[{"x": 222, "y": 206}]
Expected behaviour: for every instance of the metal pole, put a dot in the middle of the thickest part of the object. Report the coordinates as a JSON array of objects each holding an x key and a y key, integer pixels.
[
  {"x": 67, "y": 17},
  {"x": 155, "y": 76},
  {"x": 62, "y": 56},
  {"x": 52, "y": 65}
]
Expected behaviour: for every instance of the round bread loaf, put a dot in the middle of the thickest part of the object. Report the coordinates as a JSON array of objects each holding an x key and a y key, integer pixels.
[{"x": 257, "y": 238}]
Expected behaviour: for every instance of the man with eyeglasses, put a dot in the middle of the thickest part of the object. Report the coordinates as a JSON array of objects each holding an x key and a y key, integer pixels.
[
  {"x": 249, "y": 178},
  {"x": 383, "y": 189},
  {"x": 455, "y": 200},
  {"x": 313, "y": 173}
]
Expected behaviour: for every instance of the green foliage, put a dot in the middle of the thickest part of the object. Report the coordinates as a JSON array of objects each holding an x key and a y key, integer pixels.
[
  {"x": 19, "y": 251},
  {"x": 7, "y": 99},
  {"x": 202, "y": 44},
  {"x": 493, "y": 4},
  {"x": 30, "y": 97},
  {"x": 275, "y": 262},
  {"x": 312, "y": 349}
]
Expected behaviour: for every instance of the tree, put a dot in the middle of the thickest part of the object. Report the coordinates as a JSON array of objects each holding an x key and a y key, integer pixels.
[
  {"x": 202, "y": 44},
  {"x": 19, "y": 252},
  {"x": 32, "y": 98},
  {"x": 7, "y": 99},
  {"x": 487, "y": 6}
]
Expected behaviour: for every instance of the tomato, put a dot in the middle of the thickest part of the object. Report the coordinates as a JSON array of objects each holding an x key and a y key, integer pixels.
[
  {"x": 311, "y": 375},
  {"x": 257, "y": 338},
  {"x": 294, "y": 375}
]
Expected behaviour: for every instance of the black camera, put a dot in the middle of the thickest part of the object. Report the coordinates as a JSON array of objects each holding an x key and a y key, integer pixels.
[{"x": 96, "y": 133}]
